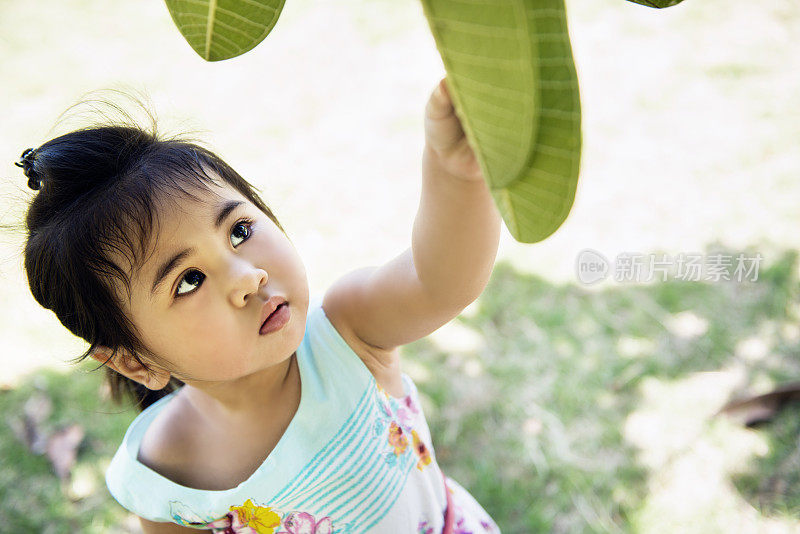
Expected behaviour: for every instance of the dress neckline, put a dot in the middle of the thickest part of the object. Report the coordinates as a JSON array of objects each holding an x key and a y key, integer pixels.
[{"x": 133, "y": 439}]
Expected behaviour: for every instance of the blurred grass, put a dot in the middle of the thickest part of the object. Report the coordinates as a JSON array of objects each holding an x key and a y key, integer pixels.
[
  {"x": 771, "y": 483},
  {"x": 32, "y": 499},
  {"x": 571, "y": 411}
]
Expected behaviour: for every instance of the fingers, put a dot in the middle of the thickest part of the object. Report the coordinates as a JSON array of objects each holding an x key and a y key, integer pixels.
[
  {"x": 443, "y": 87},
  {"x": 440, "y": 105}
]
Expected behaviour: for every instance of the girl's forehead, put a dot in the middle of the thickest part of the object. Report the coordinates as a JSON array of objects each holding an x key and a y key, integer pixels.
[
  {"x": 204, "y": 196},
  {"x": 202, "y": 208}
]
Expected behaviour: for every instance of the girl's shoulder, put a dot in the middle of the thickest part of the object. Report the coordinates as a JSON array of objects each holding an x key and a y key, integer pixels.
[
  {"x": 384, "y": 365},
  {"x": 171, "y": 446}
]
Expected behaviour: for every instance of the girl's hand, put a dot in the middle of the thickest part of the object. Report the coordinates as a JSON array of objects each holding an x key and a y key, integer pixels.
[{"x": 445, "y": 141}]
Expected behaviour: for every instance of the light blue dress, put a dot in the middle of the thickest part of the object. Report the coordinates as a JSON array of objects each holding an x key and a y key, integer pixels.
[{"x": 352, "y": 460}]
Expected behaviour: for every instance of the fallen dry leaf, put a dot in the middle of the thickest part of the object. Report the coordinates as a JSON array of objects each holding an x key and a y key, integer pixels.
[
  {"x": 62, "y": 449},
  {"x": 29, "y": 428},
  {"x": 761, "y": 408}
]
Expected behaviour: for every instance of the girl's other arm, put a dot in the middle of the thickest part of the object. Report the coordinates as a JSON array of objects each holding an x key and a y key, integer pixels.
[{"x": 454, "y": 244}]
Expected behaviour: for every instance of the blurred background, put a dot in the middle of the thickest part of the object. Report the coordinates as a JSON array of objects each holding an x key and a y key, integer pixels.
[{"x": 562, "y": 406}]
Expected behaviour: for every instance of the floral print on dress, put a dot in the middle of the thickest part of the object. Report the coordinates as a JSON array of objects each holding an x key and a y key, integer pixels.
[
  {"x": 400, "y": 415},
  {"x": 404, "y": 409},
  {"x": 460, "y": 526},
  {"x": 259, "y": 519},
  {"x": 385, "y": 401},
  {"x": 407, "y": 411},
  {"x": 185, "y": 516},
  {"x": 397, "y": 439},
  {"x": 303, "y": 523},
  {"x": 422, "y": 451},
  {"x": 250, "y": 518}
]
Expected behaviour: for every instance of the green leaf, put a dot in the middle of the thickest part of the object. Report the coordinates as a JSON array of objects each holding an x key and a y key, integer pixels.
[
  {"x": 222, "y": 29},
  {"x": 513, "y": 82},
  {"x": 657, "y": 3}
]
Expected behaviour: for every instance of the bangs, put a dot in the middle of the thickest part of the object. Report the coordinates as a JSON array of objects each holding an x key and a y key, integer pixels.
[{"x": 119, "y": 231}]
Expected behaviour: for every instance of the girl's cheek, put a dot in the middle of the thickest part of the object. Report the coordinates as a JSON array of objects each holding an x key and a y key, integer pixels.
[{"x": 200, "y": 313}]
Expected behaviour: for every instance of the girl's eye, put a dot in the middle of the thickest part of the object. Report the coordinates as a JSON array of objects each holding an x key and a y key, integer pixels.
[
  {"x": 192, "y": 279},
  {"x": 240, "y": 232}
]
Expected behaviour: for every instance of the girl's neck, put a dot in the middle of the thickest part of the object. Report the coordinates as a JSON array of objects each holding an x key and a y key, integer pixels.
[{"x": 246, "y": 396}]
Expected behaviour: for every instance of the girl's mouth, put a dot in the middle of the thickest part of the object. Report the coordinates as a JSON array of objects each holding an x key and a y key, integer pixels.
[{"x": 276, "y": 319}]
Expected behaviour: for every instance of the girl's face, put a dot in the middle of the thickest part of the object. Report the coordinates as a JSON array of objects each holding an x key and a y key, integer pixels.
[{"x": 201, "y": 314}]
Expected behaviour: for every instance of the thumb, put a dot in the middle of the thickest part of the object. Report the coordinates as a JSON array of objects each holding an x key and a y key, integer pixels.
[
  {"x": 444, "y": 89},
  {"x": 440, "y": 105}
]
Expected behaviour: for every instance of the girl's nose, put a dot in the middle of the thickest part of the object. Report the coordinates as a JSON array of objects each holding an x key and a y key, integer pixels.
[{"x": 248, "y": 282}]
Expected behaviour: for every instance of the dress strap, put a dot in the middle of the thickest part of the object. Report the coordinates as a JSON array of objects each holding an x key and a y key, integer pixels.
[{"x": 449, "y": 513}]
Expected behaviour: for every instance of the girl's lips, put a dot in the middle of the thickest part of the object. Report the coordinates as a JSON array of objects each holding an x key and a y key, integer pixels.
[
  {"x": 276, "y": 320},
  {"x": 270, "y": 306}
]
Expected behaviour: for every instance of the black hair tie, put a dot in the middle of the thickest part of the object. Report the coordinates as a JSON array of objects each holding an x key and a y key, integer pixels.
[{"x": 26, "y": 162}]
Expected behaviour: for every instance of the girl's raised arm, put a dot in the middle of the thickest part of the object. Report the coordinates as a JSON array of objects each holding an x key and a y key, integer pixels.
[{"x": 454, "y": 244}]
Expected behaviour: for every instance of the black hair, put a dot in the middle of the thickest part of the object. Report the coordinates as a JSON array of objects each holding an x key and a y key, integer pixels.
[{"x": 98, "y": 189}]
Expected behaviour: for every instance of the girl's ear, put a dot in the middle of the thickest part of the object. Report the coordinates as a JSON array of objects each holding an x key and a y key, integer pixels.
[{"x": 151, "y": 377}]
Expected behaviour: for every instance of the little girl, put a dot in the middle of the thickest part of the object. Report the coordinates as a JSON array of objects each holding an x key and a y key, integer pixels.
[{"x": 264, "y": 411}]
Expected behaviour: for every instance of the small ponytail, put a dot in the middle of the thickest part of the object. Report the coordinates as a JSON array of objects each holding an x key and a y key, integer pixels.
[{"x": 26, "y": 161}]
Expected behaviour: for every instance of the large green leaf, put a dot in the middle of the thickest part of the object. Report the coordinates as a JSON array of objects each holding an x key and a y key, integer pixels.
[
  {"x": 222, "y": 29},
  {"x": 657, "y": 3},
  {"x": 513, "y": 82}
]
